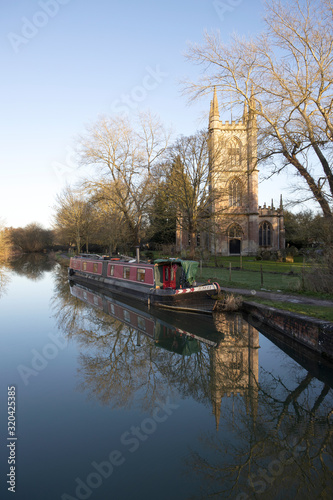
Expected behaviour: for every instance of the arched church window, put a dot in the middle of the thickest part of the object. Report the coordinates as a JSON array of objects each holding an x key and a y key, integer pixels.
[
  {"x": 265, "y": 234},
  {"x": 235, "y": 193},
  {"x": 235, "y": 231},
  {"x": 234, "y": 153}
]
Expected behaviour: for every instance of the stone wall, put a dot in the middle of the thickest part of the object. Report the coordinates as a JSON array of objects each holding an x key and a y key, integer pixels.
[{"x": 313, "y": 333}]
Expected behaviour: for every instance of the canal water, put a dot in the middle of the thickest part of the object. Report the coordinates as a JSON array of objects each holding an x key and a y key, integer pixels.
[{"x": 115, "y": 401}]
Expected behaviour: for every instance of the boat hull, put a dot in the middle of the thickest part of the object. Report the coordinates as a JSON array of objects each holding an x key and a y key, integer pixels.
[{"x": 194, "y": 299}]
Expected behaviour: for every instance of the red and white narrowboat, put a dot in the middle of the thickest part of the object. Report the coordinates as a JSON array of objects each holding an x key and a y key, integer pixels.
[{"x": 166, "y": 283}]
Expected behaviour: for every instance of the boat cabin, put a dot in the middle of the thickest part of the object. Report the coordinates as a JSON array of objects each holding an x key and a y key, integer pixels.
[
  {"x": 175, "y": 273},
  {"x": 164, "y": 273}
]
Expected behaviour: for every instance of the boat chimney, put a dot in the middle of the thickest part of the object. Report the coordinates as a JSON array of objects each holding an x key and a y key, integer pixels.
[{"x": 138, "y": 254}]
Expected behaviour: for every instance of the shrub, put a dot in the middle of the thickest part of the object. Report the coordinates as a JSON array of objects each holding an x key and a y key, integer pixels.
[{"x": 319, "y": 277}]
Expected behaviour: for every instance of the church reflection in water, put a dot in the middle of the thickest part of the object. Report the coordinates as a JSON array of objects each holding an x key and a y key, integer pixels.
[
  {"x": 225, "y": 347},
  {"x": 264, "y": 435},
  {"x": 235, "y": 364}
]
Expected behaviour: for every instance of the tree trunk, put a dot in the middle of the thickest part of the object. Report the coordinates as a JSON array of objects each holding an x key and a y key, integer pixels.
[{"x": 315, "y": 189}]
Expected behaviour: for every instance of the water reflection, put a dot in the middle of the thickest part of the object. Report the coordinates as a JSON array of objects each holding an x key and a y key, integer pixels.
[
  {"x": 273, "y": 429},
  {"x": 131, "y": 355},
  {"x": 282, "y": 451},
  {"x": 4, "y": 278},
  {"x": 33, "y": 266}
]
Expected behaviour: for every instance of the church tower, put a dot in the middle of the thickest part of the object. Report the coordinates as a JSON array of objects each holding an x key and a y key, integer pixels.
[{"x": 240, "y": 226}]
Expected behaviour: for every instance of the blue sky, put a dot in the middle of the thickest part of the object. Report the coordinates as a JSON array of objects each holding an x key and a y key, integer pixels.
[{"x": 65, "y": 62}]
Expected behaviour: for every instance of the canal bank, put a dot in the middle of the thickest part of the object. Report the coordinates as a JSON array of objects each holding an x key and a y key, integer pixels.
[
  {"x": 311, "y": 332},
  {"x": 315, "y": 334}
]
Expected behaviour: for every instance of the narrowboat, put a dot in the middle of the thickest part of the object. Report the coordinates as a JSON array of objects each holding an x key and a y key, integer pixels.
[{"x": 168, "y": 283}]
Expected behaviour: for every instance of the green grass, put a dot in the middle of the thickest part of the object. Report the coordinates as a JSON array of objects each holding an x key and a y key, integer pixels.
[
  {"x": 250, "y": 263},
  {"x": 319, "y": 312},
  {"x": 251, "y": 280}
]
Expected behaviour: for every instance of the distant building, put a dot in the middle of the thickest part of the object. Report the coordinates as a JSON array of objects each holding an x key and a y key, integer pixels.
[{"x": 240, "y": 225}]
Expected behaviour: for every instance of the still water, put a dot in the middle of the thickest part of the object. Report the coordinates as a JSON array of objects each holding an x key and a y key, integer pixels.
[{"x": 113, "y": 401}]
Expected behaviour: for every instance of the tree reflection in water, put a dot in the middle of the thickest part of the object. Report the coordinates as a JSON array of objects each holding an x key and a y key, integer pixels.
[
  {"x": 4, "y": 278},
  {"x": 33, "y": 265},
  {"x": 282, "y": 449},
  {"x": 273, "y": 436}
]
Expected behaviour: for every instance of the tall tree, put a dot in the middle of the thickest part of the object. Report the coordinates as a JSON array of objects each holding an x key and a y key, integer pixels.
[
  {"x": 111, "y": 229},
  {"x": 285, "y": 77},
  {"x": 74, "y": 218},
  {"x": 190, "y": 185},
  {"x": 163, "y": 213},
  {"x": 127, "y": 158}
]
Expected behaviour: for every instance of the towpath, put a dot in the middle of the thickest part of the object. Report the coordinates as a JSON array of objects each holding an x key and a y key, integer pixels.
[{"x": 281, "y": 297}]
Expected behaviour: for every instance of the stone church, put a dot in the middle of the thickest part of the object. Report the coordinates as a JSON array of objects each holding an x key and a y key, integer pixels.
[{"x": 240, "y": 226}]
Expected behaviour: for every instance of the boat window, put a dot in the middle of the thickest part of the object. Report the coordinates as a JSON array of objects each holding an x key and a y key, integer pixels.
[
  {"x": 111, "y": 271},
  {"x": 166, "y": 274},
  {"x": 95, "y": 267},
  {"x": 141, "y": 323},
  {"x": 140, "y": 275},
  {"x": 84, "y": 266},
  {"x": 126, "y": 274}
]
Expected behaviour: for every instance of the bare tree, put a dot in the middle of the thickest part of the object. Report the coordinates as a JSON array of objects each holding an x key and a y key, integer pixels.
[
  {"x": 112, "y": 230},
  {"x": 31, "y": 238},
  {"x": 193, "y": 187},
  {"x": 284, "y": 75},
  {"x": 127, "y": 159},
  {"x": 189, "y": 184},
  {"x": 74, "y": 219}
]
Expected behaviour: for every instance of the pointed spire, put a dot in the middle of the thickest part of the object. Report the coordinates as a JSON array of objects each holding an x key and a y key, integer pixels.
[
  {"x": 214, "y": 111},
  {"x": 215, "y": 105},
  {"x": 252, "y": 116},
  {"x": 281, "y": 202}
]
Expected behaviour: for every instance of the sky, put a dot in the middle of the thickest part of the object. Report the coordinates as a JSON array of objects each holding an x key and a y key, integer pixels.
[{"x": 65, "y": 62}]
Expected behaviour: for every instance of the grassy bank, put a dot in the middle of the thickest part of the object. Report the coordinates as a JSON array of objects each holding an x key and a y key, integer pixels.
[
  {"x": 319, "y": 312},
  {"x": 61, "y": 257},
  {"x": 287, "y": 280}
]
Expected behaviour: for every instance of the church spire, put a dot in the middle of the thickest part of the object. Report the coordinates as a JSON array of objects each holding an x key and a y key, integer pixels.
[
  {"x": 214, "y": 110},
  {"x": 215, "y": 106}
]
